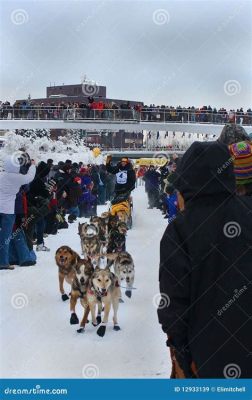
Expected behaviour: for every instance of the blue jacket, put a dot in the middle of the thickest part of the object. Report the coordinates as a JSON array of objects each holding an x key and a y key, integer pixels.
[{"x": 172, "y": 206}]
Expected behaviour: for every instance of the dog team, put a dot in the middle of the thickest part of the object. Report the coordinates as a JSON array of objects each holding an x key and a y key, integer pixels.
[{"x": 103, "y": 244}]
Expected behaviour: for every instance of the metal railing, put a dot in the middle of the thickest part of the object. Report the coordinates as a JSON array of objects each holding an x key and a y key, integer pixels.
[{"x": 161, "y": 115}]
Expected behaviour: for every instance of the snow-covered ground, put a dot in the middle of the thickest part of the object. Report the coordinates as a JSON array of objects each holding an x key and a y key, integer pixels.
[{"x": 36, "y": 338}]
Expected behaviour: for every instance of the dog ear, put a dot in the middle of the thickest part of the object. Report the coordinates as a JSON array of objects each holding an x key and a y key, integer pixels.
[
  {"x": 95, "y": 264},
  {"x": 75, "y": 267},
  {"x": 91, "y": 269},
  {"x": 112, "y": 277},
  {"x": 76, "y": 258}
]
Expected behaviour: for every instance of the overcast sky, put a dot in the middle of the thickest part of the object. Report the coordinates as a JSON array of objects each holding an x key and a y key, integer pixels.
[{"x": 163, "y": 52}]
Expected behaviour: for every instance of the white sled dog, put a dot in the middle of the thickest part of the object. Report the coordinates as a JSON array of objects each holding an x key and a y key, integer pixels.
[{"x": 124, "y": 269}]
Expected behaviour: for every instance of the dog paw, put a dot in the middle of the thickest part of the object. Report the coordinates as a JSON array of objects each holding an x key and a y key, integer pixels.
[
  {"x": 117, "y": 328},
  {"x": 64, "y": 297},
  {"x": 128, "y": 293},
  {"x": 101, "y": 330},
  {"x": 74, "y": 319},
  {"x": 81, "y": 330},
  {"x": 121, "y": 300}
]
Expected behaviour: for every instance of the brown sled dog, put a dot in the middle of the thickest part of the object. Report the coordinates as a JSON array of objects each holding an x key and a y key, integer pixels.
[
  {"x": 66, "y": 259},
  {"x": 80, "y": 284}
]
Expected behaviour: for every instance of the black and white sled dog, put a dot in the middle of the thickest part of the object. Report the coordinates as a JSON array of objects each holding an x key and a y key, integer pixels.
[
  {"x": 90, "y": 242},
  {"x": 124, "y": 269}
]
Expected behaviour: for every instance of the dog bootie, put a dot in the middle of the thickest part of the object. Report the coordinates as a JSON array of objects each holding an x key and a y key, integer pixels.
[
  {"x": 101, "y": 330},
  {"x": 71, "y": 218},
  {"x": 74, "y": 319},
  {"x": 81, "y": 330},
  {"x": 116, "y": 327},
  {"x": 128, "y": 293},
  {"x": 64, "y": 297},
  {"x": 98, "y": 319},
  {"x": 121, "y": 300}
]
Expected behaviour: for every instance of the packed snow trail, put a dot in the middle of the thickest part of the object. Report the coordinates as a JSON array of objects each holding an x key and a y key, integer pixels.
[{"x": 37, "y": 340}]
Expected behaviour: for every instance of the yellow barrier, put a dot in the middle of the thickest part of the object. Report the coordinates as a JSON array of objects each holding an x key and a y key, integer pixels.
[{"x": 157, "y": 162}]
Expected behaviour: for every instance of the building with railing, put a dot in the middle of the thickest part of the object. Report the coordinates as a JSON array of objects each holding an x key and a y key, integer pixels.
[
  {"x": 64, "y": 95},
  {"x": 85, "y": 100}
]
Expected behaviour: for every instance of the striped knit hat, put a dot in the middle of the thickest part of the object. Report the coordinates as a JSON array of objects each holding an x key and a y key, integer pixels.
[{"x": 241, "y": 154}]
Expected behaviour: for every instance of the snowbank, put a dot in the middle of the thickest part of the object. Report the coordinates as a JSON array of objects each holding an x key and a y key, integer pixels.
[{"x": 40, "y": 147}]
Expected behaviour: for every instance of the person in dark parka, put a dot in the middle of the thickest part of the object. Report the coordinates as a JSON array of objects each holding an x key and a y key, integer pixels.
[
  {"x": 38, "y": 204},
  {"x": 205, "y": 269},
  {"x": 152, "y": 183}
]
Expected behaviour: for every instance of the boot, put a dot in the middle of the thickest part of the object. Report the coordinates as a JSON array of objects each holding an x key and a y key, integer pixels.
[{"x": 42, "y": 247}]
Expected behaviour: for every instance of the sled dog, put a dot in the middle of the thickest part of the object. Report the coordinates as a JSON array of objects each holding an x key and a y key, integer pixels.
[
  {"x": 66, "y": 259},
  {"x": 104, "y": 289}
]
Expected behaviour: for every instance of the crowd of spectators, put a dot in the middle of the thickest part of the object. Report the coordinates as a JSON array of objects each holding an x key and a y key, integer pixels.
[
  {"x": 98, "y": 109},
  {"x": 37, "y": 202}
]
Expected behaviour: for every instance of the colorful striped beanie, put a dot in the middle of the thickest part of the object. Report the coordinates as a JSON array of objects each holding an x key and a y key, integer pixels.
[{"x": 241, "y": 154}]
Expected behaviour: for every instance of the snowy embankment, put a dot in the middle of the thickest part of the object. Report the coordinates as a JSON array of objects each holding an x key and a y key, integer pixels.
[
  {"x": 37, "y": 340},
  {"x": 42, "y": 148}
]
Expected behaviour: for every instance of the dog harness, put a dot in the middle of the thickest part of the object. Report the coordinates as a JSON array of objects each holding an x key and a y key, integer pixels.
[
  {"x": 82, "y": 294},
  {"x": 94, "y": 292}
]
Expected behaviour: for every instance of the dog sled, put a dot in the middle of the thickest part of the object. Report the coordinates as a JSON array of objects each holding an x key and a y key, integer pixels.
[{"x": 122, "y": 207}]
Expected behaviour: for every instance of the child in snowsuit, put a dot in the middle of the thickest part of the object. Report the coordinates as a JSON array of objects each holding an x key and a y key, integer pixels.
[{"x": 171, "y": 203}]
